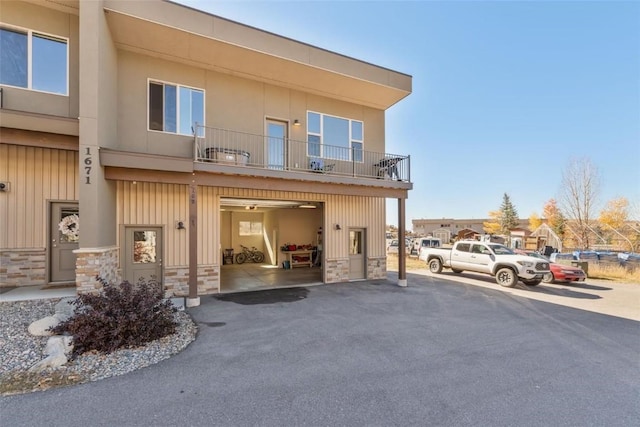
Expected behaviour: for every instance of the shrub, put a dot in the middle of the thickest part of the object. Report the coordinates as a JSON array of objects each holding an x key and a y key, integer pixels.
[{"x": 121, "y": 316}]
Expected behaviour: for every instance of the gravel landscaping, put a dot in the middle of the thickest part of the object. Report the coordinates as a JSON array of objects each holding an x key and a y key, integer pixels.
[{"x": 20, "y": 351}]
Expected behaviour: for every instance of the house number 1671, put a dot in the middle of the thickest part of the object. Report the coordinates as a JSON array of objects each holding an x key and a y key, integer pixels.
[{"x": 87, "y": 165}]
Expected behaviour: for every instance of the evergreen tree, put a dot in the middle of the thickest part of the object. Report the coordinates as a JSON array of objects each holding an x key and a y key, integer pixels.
[{"x": 509, "y": 217}]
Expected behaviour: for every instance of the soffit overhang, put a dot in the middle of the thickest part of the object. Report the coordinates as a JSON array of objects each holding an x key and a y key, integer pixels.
[{"x": 178, "y": 33}]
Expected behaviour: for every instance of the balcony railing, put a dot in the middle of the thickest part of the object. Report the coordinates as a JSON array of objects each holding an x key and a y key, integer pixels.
[{"x": 242, "y": 149}]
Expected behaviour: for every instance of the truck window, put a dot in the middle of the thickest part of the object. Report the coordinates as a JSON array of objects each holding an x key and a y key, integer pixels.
[{"x": 463, "y": 247}]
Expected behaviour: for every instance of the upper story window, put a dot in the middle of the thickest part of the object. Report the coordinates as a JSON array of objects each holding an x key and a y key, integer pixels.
[
  {"x": 175, "y": 109},
  {"x": 333, "y": 137},
  {"x": 34, "y": 60}
]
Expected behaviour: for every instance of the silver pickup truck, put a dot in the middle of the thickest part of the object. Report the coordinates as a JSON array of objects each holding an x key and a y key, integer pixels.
[{"x": 491, "y": 258}]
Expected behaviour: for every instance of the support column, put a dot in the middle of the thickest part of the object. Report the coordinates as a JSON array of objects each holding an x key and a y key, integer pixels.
[
  {"x": 97, "y": 254},
  {"x": 193, "y": 300},
  {"x": 402, "y": 252}
]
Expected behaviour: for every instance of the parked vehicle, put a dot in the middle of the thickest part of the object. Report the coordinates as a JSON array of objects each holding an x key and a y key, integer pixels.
[
  {"x": 247, "y": 254},
  {"x": 491, "y": 258},
  {"x": 559, "y": 272},
  {"x": 392, "y": 248},
  {"x": 421, "y": 243}
]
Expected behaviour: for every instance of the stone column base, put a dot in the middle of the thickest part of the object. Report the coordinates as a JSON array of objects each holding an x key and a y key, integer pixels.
[{"x": 92, "y": 263}]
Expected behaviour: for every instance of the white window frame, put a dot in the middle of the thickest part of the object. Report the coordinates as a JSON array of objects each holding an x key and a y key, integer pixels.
[
  {"x": 29, "y": 32},
  {"x": 321, "y": 137},
  {"x": 177, "y": 86}
]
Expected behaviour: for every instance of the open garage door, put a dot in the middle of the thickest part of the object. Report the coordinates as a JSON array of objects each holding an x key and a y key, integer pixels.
[{"x": 287, "y": 232}]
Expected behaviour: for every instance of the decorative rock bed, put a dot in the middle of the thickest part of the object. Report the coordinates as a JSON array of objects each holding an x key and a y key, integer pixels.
[{"x": 22, "y": 351}]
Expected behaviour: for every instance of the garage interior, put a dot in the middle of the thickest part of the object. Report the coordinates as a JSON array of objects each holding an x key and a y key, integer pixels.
[{"x": 288, "y": 233}]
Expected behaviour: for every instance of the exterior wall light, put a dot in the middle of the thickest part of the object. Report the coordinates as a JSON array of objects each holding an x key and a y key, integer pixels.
[
  {"x": 337, "y": 227},
  {"x": 296, "y": 122},
  {"x": 180, "y": 225}
]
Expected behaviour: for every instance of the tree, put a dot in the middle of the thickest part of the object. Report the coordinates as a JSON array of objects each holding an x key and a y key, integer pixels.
[
  {"x": 615, "y": 219},
  {"x": 509, "y": 218},
  {"x": 579, "y": 196},
  {"x": 534, "y": 222},
  {"x": 555, "y": 218},
  {"x": 615, "y": 214},
  {"x": 493, "y": 225}
]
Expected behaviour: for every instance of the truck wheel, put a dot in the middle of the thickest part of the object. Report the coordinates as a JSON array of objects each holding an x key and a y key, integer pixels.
[
  {"x": 531, "y": 282},
  {"x": 506, "y": 277},
  {"x": 456, "y": 271},
  {"x": 548, "y": 278},
  {"x": 435, "y": 266}
]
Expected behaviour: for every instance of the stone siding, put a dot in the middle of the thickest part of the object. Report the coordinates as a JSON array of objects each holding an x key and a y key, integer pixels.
[
  {"x": 377, "y": 268},
  {"x": 176, "y": 280},
  {"x": 337, "y": 270},
  {"x": 92, "y": 263},
  {"x": 22, "y": 267}
]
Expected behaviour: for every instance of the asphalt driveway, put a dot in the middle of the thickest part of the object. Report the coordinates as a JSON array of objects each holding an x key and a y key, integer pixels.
[{"x": 370, "y": 353}]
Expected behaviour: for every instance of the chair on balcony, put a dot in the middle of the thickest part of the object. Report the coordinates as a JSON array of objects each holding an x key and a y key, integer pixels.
[
  {"x": 388, "y": 168},
  {"x": 317, "y": 165}
]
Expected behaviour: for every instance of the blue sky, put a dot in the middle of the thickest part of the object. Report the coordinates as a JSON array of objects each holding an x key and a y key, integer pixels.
[{"x": 505, "y": 94}]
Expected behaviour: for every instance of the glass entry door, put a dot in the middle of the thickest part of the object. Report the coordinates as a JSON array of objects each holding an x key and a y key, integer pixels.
[
  {"x": 143, "y": 254},
  {"x": 357, "y": 268},
  {"x": 276, "y": 144}
]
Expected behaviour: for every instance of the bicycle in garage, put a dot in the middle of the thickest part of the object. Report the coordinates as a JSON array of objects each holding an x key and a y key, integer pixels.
[{"x": 247, "y": 254}]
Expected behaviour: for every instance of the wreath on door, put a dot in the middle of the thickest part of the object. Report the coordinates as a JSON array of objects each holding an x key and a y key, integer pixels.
[{"x": 70, "y": 227}]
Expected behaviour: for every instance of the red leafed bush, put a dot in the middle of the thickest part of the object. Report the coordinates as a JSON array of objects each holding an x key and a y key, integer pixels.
[{"x": 121, "y": 316}]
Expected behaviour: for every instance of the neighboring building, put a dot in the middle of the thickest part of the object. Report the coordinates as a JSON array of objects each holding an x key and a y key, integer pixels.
[
  {"x": 448, "y": 229},
  {"x": 174, "y": 134}
]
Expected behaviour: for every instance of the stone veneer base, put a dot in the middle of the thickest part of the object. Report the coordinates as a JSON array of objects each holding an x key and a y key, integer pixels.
[
  {"x": 176, "y": 280},
  {"x": 23, "y": 267}
]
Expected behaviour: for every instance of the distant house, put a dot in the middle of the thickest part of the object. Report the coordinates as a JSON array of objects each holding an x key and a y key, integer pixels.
[{"x": 448, "y": 229}]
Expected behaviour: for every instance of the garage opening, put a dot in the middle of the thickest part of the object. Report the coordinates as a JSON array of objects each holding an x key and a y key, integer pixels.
[{"x": 270, "y": 244}]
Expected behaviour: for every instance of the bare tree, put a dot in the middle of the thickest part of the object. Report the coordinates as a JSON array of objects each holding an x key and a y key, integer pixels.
[{"x": 579, "y": 196}]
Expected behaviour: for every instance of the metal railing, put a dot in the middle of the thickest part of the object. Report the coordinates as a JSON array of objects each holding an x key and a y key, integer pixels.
[{"x": 227, "y": 147}]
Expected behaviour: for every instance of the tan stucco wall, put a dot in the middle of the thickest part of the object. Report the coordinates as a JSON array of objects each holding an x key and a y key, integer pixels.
[
  {"x": 35, "y": 176},
  {"x": 230, "y": 102},
  {"x": 38, "y": 18},
  {"x": 98, "y": 126}
]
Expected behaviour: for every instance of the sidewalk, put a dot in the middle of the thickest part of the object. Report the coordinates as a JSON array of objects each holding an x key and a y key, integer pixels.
[{"x": 35, "y": 292}]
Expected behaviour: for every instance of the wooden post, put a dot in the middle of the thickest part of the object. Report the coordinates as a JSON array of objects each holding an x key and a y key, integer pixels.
[
  {"x": 402, "y": 252},
  {"x": 193, "y": 240}
]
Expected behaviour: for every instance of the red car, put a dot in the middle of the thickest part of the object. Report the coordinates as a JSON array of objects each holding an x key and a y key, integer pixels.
[{"x": 559, "y": 272}]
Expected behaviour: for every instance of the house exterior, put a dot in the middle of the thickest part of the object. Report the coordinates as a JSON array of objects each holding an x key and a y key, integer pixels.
[
  {"x": 448, "y": 229},
  {"x": 173, "y": 135}
]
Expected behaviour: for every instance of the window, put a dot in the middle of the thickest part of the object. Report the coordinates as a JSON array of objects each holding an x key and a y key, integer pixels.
[
  {"x": 336, "y": 138},
  {"x": 463, "y": 247},
  {"x": 34, "y": 61},
  {"x": 250, "y": 228},
  {"x": 175, "y": 108}
]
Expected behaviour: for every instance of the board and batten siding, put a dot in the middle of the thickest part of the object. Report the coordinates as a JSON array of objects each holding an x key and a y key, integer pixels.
[
  {"x": 36, "y": 176},
  {"x": 158, "y": 204},
  {"x": 161, "y": 205}
]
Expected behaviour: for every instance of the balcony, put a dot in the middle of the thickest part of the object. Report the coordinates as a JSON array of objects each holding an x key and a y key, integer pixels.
[{"x": 223, "y": 150}]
